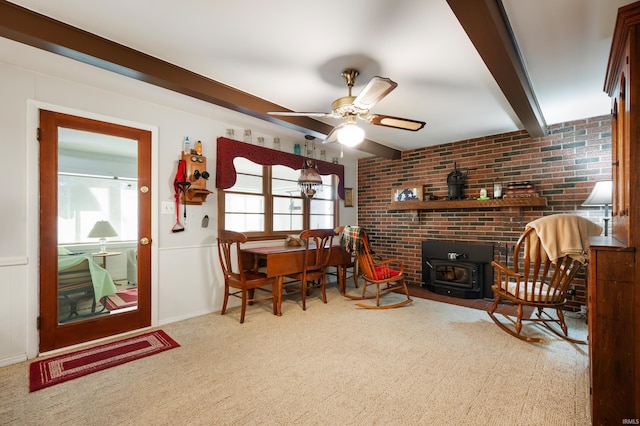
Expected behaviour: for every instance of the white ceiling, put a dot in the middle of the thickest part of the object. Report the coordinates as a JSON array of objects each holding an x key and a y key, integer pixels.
[{"x": 291, "y": 52}]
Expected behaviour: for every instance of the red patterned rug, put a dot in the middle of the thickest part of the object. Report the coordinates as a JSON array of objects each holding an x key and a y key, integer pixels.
[
  {"x": 123, "y": 299},
  {"x": 61, "y": 368}
]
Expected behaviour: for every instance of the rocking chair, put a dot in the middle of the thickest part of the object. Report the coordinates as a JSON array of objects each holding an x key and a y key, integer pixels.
[
  {"x": 388, "y": 273},
  {"x": 546, "y": 258}
]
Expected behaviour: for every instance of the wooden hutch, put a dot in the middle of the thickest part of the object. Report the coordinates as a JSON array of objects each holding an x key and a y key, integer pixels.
[{"x": 614, "y": 269}]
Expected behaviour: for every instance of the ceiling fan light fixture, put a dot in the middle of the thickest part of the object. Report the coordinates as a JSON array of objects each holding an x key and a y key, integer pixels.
[{"x": 350, "y": 135}]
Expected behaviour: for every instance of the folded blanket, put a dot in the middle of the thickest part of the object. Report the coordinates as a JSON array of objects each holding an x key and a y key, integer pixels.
[
  {"x": 565, "y": 235},
  {"x": 351, "y": 239}
]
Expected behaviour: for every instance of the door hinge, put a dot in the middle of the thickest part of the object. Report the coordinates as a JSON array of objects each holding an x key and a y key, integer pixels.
[
  {"x": 38, "y": 133},
  {"x": 38, "y": 322}
]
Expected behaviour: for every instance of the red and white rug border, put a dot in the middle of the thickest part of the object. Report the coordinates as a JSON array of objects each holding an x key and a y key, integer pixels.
[{"x": 51, "y": 371}]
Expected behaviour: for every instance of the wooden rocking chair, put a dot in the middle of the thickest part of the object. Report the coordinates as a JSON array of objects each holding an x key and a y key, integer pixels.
[
  {"x": 388, "y": 273},
  {"x": 536, "y": 279}
]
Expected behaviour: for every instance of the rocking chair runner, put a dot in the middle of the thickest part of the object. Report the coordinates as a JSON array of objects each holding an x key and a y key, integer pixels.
[
  {"x": 388, "y": 273},
  {"x": 539, "y": 280}
]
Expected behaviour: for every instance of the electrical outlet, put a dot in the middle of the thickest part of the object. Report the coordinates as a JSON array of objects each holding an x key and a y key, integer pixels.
[{"x": 168, "y": 207}]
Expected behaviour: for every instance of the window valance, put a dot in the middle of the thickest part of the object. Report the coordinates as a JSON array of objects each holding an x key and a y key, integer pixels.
[{"x": 229, "y": 149}]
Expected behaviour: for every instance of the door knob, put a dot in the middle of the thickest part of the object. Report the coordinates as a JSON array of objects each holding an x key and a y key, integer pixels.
[{"x": 144, "y": 241}]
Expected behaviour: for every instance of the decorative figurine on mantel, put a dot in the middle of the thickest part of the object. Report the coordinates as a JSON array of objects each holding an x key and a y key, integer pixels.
[{"x": 457, "y": 181}]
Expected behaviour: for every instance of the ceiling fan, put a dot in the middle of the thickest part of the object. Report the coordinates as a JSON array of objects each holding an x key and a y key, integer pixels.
[{"x": 350, "y": 108}]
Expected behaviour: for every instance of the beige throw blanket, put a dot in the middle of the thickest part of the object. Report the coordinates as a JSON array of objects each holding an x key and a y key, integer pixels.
[{"x": 565, "y": 235}]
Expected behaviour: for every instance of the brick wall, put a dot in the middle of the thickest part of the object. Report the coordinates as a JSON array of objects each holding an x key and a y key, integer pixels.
[{"x": 563, "y": 165}]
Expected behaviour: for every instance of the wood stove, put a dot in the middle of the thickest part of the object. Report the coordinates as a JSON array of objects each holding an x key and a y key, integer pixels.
[{"x": 458, "y": 269}]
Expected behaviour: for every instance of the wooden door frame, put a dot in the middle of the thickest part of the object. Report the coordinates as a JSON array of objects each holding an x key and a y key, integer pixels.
[{"x": 52, "y": 334}]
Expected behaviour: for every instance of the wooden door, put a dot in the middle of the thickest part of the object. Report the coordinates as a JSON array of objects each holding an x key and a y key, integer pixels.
[{"x": 55, "y": 333}]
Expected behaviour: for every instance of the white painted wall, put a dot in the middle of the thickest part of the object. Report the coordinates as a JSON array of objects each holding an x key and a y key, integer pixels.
[{"x": 186, "y": 275}]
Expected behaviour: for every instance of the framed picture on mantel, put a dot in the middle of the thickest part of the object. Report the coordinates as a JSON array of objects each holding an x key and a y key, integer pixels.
[{"x": 407, "y": 194}]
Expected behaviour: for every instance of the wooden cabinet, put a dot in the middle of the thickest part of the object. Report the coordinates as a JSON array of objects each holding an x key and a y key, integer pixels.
[
  {"x": 612, "y": 330},
  {"x": 614, "y": 270}
]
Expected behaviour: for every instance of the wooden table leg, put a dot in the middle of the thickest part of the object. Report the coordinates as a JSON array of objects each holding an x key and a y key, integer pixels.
[
  {"x": 342, "y": 279},
  {"x": 280, "y": 279}
]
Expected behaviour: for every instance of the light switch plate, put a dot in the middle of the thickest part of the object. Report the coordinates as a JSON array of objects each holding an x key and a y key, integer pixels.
[{"x": 168, "y": 207}]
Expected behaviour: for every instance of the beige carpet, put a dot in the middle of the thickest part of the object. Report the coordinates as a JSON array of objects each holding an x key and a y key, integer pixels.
[{"x": 428, "y": 363}]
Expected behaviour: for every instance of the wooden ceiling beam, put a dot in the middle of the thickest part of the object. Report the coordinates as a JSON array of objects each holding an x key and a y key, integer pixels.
[
  {"x": 487, "y": 25},
  {"x": 31, "y": 28}
]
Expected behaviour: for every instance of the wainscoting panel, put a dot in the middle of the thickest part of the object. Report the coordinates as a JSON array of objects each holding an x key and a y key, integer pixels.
[{"x": 13, "y": 310}]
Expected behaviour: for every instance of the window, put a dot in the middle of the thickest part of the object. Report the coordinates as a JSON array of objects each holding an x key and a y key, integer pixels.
[{"x": 266, "y": 202}]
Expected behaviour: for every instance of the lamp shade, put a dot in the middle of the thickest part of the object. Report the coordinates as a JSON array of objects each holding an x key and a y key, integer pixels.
[
  {"x": 102, "y": 229},
  {"x": 600, "y": 195}
]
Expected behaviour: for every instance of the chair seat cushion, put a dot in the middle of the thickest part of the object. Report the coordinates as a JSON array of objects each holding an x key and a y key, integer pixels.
[
  {"x": 534, "y": 292},
  {"x": 385, "y": 272}
]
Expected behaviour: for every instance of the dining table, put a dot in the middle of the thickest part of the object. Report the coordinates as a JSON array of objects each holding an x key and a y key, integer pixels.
[{"x": 281, "y": 260}]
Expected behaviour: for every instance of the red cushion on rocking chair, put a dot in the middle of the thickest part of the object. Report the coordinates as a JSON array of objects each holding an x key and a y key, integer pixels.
[{"x": 385, "y": 272}]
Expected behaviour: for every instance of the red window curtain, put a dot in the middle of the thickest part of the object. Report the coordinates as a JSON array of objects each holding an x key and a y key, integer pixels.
[{"x": 228, "y": 149}]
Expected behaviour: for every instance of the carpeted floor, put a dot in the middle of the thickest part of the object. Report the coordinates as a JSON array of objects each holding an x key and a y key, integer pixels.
[{"x": 428, "y": 363}]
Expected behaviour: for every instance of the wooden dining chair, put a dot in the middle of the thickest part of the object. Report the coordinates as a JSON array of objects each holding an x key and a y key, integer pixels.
[
  {"x": 317, "y": 250},
  {"x": 237, "y": 276},
  {"x": 387, "y": 275},
  {"x": 538, "y": 280}
]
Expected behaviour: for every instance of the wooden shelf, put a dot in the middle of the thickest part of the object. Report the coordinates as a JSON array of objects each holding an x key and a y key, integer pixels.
[{"x": 468, "y": 204}]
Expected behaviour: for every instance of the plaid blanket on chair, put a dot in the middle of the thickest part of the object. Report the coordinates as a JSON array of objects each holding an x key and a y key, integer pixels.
[{"x": 351, "y": 239}]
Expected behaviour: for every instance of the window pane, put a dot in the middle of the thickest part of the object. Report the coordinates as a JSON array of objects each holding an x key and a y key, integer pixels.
[
  {"x": 244, "y": 203},
  {"x": 249, "y": 176},
  {"x": 286, "y": 173},
  {"x": 285, "y": 187},
  {"x": 321, "y": 222},
  {"x": 284, "y": 181},
  {"x": 321, "y": 207},
  {"x": 287, "y": 222},
  {"x": 244, "y": 166},
  {"x": 244, "y": 222},
  {"x": 324, "y": 193},
  {"x": 288, "y": 214},
  {"x": 287, "y": 205},
  {"x": 246, "y": 183}
]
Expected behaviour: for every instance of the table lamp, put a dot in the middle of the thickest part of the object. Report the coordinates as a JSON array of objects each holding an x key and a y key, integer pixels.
[
  {"x": 102, "y": 229},
  {"x": 601, "y": 196}
]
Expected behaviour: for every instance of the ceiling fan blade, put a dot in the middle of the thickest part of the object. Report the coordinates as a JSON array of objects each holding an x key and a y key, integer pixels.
[
  {"x": 299, "y": 114},
  {"x": 333, "y": 135},
  {"x": 395, "y": 122},
  {"x": 373, "y": 92}
]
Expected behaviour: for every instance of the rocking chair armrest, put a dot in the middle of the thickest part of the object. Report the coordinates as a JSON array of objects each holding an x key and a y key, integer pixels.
[
  {"x": 507, "y": 271},
  {"x": 387, "y": 262}
]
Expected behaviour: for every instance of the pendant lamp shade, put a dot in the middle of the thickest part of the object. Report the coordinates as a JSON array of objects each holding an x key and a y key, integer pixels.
[{"x": 309, "y": 178}]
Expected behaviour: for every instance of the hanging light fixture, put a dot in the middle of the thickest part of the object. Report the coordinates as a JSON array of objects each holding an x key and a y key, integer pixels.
[{"x": 309, "y": 178}]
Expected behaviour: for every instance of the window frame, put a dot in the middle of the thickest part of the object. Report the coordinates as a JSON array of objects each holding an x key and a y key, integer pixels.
[{"x": 269, "y": 233}]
